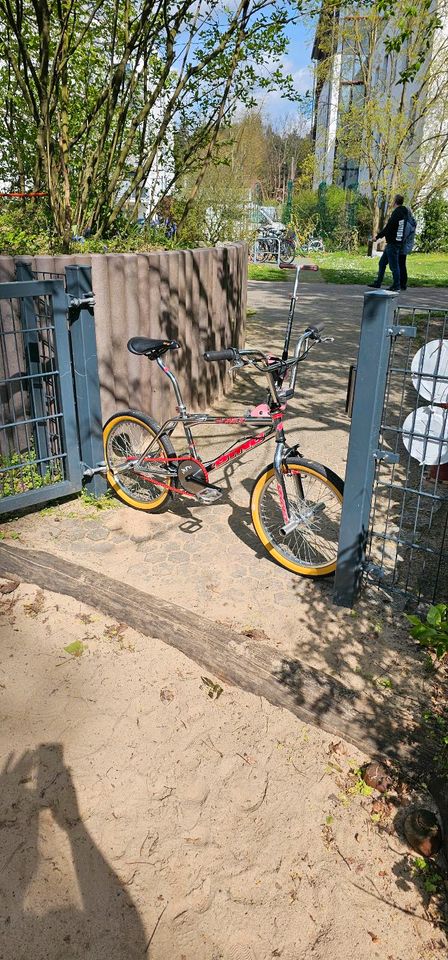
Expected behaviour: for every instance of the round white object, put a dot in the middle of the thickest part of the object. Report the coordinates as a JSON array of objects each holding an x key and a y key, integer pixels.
[
  {"x": 429, "y": 370},
  {"x": 425, "y": 435}
]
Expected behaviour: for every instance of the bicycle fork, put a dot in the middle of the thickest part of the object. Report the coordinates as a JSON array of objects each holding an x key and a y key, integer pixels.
[{"x": 289, "y": 522}]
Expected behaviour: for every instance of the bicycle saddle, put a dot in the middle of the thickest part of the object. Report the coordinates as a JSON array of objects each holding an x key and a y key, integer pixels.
[{"x": 151, "y": 348}]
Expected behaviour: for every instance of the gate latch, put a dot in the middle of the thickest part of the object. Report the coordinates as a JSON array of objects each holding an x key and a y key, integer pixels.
[
  {"x": 80, "y": 303},
  {"x": 398, "y": 331},
  {"x": 386, "y": 456}
]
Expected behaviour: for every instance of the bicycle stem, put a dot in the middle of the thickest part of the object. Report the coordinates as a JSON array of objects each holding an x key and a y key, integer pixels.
[{"x": 292, "y": 307}]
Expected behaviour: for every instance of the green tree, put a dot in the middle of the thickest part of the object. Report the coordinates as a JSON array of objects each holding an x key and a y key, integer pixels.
[
  {"x": 92, "y": 94},
  {"x": 288, "y": 148}
]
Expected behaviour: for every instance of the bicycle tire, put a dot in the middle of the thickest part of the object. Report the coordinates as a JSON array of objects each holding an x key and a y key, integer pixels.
[
  {"x": 294, "y": 551},
  {"x": 263, "y": 251},
  {"x": 287, "y": 251},
  {"x": 131, "y": 432}
]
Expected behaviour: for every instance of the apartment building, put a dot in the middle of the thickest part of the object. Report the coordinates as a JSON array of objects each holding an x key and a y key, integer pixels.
[{"x": 403, "y": 127}]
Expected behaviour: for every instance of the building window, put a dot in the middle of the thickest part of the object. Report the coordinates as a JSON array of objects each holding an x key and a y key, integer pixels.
[{"x": 347, "y": 174}]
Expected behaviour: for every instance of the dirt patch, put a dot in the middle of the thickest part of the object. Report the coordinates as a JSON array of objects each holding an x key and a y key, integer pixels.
[{"x": 143, "y": 817}]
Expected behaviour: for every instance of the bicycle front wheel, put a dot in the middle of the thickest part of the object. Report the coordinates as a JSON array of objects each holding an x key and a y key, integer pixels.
[
  {"x": 314, "y": 493},
  {"x": 126, "y": 438}
]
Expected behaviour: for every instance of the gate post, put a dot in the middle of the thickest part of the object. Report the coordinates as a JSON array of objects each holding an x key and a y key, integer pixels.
[
  {"x": 85, "y": 372},
  {"x": 37, "y": 386},
  {"x": 372, "y": 365}
]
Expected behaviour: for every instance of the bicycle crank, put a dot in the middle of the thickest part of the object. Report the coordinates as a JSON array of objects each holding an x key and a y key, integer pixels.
[{"x": 193, "y": 477}]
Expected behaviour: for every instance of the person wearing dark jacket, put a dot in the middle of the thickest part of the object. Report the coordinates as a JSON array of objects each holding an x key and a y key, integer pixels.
[
  {"x": 407, "y": 247},
  {"x": 393, "y": 233}
]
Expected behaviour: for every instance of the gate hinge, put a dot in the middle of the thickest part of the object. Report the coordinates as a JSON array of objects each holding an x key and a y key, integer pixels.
[
  {"x": 398, "y": 331},
  {"x": 92, "y": 471},
  {"x": 80, "y": 303},
  {"x": 387, "y": 456}
]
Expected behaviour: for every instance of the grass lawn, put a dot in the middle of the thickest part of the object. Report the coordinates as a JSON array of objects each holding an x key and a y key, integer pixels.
[
  {"x": 424, "y": 269},
  {"x": 261, "y": 271}
]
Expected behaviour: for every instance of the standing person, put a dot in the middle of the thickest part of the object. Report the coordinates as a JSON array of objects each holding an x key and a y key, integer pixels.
[
  {"x": 393, "y": 233},
  {"x": 407, "y": 246}
]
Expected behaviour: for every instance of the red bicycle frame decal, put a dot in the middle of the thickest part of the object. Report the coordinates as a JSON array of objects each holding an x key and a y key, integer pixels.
[
  {"x": 219, "y": 461},
  {"x": 236, "y": 451}
]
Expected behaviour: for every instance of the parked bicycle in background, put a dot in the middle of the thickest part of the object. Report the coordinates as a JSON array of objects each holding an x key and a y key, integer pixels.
[{"x": 273, "y": 245}]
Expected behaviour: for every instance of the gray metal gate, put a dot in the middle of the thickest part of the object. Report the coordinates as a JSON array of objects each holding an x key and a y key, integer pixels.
[
  {"x": 50, "y": 406},
  {"x": 39, "y": 455},
  {"x": 394, "y": 527}
]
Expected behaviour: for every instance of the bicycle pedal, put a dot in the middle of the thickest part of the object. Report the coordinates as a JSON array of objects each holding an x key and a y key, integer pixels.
[{"x": 209, "y": 495}]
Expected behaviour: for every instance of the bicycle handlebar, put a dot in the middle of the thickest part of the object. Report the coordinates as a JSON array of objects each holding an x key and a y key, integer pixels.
[
  {"x": 256, "y": 357},
  {"x": 316, "y": 330},
  {"x": 229, "y": 354}
]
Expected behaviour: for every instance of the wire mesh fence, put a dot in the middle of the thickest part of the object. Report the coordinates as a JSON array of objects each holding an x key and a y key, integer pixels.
[
  {"x": 32, "y": 452},
  {"x": 39, "y": 457},
  {"x": 407, "y": 546}
]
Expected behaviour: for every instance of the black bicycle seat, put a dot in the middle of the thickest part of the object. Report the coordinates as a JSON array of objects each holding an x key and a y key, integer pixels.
[{"x": 151, "y": 348}]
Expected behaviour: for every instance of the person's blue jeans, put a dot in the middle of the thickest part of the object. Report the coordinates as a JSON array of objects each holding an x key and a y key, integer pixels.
[{"x": 390, "y": 256}]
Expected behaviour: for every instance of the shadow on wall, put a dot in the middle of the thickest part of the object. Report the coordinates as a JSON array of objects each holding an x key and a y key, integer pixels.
[
  {"x": 195, "y": 296},
  {"x": 73, "y": 906}
]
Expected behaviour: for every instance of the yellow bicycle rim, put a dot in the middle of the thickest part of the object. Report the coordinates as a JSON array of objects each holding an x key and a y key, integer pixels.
[
  {"x": 137, "y": 504},
  {"x": 308, "y": 571}
]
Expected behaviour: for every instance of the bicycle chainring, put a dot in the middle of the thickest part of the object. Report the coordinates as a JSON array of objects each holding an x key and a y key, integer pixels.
[{"x": 188, "y": 469}]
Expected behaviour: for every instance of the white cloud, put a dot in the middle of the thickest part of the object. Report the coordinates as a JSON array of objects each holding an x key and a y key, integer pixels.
[{"x": 277, "y": 106}]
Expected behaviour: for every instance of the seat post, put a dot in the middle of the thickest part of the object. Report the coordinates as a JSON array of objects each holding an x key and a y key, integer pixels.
[
  {"x": 181, "y": 406},
  {"x": 176, "y": 388}
]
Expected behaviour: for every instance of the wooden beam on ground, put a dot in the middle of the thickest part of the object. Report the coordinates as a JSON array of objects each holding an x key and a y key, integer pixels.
[{"x": 372, "y": 722}]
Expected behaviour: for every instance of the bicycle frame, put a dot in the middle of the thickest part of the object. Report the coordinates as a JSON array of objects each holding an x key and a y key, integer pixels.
[
  {"x": 271, "y": 425},
  {"x": 188, "y": 420}
]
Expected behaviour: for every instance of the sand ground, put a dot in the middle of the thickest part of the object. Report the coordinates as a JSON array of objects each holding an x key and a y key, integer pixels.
[{"x": 137, "y": 810}]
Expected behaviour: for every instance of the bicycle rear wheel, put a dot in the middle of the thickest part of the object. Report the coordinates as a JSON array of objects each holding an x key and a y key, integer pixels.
[
  {"x": 287, "y": 251},
  {"x": 315, "y": 499},
  {"x": 126, "y": 437}
]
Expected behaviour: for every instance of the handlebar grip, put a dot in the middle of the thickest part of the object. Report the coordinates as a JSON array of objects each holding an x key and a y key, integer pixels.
[
  {"x": 316, "y": 329},
  {"x": 228, "y": 354}
]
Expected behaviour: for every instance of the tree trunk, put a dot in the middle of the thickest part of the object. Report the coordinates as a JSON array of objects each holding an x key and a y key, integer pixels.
[
  {"x": 65, "y": 200},
  {"x": 375, "y": 217}
]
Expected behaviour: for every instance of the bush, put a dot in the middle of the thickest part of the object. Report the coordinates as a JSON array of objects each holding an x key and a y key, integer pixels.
[
  {"x": 434, "y": 236},
  {"x": 19, "y": 472},
  {"x": 305, "y": 205},
  {"x": 341, "y": 217},
  {"x": 433, "y": 632},
  {"x": 130, "y": 238},
  {"x": 25, "y": 228},
  {"x": 332, "y": 209}
]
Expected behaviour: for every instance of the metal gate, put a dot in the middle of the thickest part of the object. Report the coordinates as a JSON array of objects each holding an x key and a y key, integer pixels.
[
  {"x": 39, "y": 454},
  {"x": 394, "y": 528}
]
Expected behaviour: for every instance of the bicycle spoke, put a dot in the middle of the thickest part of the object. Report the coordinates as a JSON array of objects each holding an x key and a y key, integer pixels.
[
  {"x": 313, "y": 542},
  {"x": 127, "y": 442}
]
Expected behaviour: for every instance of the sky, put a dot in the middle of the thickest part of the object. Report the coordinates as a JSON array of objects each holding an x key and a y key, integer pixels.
[{"x": 298, "y": 63}]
